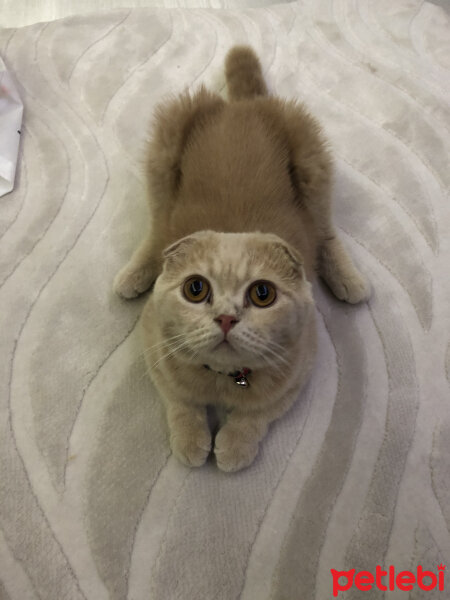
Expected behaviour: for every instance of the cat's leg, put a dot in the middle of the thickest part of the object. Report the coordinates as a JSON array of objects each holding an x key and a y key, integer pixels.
[
  {"x": 174, "y": 121},
  {"x": 334, "y": 263},
  {"x": 190, "y": 437},
  {"x": 140, "y": 272},
  {"x": 237, "y": 442},
  {"x": 338, "y": 270},
  {"x": 311, "y": 174}
]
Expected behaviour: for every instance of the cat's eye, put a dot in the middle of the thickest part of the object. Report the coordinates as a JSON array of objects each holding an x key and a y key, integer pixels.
[
  {"x": 196, "y": 289},
  {"x": 262, "y": 293}
]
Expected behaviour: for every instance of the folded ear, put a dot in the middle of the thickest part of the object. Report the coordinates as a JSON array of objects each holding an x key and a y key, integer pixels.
[
  {"x": 285, "y": 257},
  {"x": 179, "y": 248},
  {"x": 292, "y": 253}
]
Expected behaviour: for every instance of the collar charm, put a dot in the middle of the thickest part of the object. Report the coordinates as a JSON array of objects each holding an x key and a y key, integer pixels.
[{"x": 240, "y": 377}]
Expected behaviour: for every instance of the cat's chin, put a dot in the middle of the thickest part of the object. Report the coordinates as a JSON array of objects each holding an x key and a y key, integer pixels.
[
  {"x": 224, "y": 346},
  {"x": 227, "y": 358},
  {"x": 224, "y": 350},
  {"x": 224, "y": 356}
]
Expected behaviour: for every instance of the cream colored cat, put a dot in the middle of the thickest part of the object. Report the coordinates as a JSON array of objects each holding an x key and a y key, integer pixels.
[{"x": 241, "y": 220}]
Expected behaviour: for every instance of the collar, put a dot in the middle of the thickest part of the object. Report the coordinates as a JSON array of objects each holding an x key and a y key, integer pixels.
[{"x": 239, "y": 376}]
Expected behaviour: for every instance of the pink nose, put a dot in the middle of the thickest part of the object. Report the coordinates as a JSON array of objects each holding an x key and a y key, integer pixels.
[{"x": 226, "y": 322}]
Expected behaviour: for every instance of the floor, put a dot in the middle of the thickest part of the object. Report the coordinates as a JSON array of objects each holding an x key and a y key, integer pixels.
[{"x": 17, "y": 13}]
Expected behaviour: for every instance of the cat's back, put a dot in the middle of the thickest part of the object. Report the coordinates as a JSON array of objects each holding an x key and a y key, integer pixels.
[
  {"x": 235, "y": 176},
  {"x": 240, "y": 155}
]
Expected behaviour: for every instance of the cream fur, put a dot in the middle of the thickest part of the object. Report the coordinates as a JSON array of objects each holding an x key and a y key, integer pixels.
[{"x": 239, "y": 192}]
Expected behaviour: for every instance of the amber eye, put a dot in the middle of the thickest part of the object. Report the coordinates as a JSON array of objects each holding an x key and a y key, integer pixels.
[
  {"x": 196, "y": 289},
  {"x": 262, "y": 293}
]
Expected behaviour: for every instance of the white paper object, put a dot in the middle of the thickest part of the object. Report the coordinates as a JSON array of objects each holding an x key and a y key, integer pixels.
[{"x": 11, "y": 110}]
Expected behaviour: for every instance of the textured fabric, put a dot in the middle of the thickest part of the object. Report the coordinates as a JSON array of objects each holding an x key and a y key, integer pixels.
[
  {"x": 11, "y": 110},
  {"x": 92, "y": 505},
  {"x": 26, "y": 12}
]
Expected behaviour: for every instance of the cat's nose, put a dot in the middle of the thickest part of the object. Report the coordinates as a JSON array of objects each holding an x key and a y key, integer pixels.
[{"x": 226, "y": 322}]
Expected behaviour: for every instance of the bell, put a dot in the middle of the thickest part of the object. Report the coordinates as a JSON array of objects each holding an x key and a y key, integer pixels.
[{"x": 242, "y": 381}]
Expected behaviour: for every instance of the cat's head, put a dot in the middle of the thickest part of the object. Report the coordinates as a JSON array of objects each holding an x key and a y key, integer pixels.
[{"x": 232, "y": 300}]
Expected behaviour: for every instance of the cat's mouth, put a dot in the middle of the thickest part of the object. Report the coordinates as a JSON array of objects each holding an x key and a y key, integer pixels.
[{"x": 224, "y": 344}]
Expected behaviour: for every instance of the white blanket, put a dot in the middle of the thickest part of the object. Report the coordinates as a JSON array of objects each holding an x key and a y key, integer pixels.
[
  {"x": 92, "y": 505},
  {"x": 11, "y": 110}
]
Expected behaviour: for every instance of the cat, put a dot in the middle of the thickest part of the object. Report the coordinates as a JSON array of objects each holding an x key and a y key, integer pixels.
[{"x": 239, "y": 197}]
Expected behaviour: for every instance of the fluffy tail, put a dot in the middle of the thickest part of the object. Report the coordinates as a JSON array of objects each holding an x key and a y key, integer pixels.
[{"x": 243, "y": 73}]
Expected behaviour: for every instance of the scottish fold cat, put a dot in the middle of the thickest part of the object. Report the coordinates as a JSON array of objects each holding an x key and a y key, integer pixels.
[{"x": 239, "y": 196}]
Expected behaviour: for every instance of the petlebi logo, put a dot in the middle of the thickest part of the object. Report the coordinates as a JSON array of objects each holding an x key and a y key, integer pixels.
[{"x": 388, "y": 580}]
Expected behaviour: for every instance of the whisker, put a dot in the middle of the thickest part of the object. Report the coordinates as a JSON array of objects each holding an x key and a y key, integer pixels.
[
  {"x": 276, "y": 345},
  {"x": 170, "y": 353},
  {"x": 170, "y": 342},
  {"x": 266, "y": 347},
  {"x": 193, "y": 339},
  {"x": 173, "y": 345},
  {"x": 278, "y": 357},
  {"x": 167, "y": 342}
]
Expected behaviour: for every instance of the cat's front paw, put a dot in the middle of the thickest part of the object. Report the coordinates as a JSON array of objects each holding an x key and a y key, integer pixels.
[
  {"x": 351, "y": 287},
  {"x": 233, "y": 452},
  {"x": 130, "y": 282},
  {"x": 192, "y": 450},
  {"x": 338, "y": 270}
]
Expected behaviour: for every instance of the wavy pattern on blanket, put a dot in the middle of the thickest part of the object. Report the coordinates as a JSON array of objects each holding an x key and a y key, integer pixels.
[{"x": 92, "y": 505}]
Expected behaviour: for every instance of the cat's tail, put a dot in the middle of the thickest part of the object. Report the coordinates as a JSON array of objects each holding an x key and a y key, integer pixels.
[{"x": 244, "y": 74}]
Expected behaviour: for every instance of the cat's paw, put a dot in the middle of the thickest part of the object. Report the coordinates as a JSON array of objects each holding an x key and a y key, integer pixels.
[
  {"x": 191, "y": 450},
  {"x": 233, "y": 452},
  {"x": 351, "y": 287},
  {"x": 338, "y": 270},
  {"x": 130, "y": 282}
]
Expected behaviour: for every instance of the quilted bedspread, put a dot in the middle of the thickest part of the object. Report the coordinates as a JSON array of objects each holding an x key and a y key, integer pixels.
[{"x": 92, "y": 504}]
